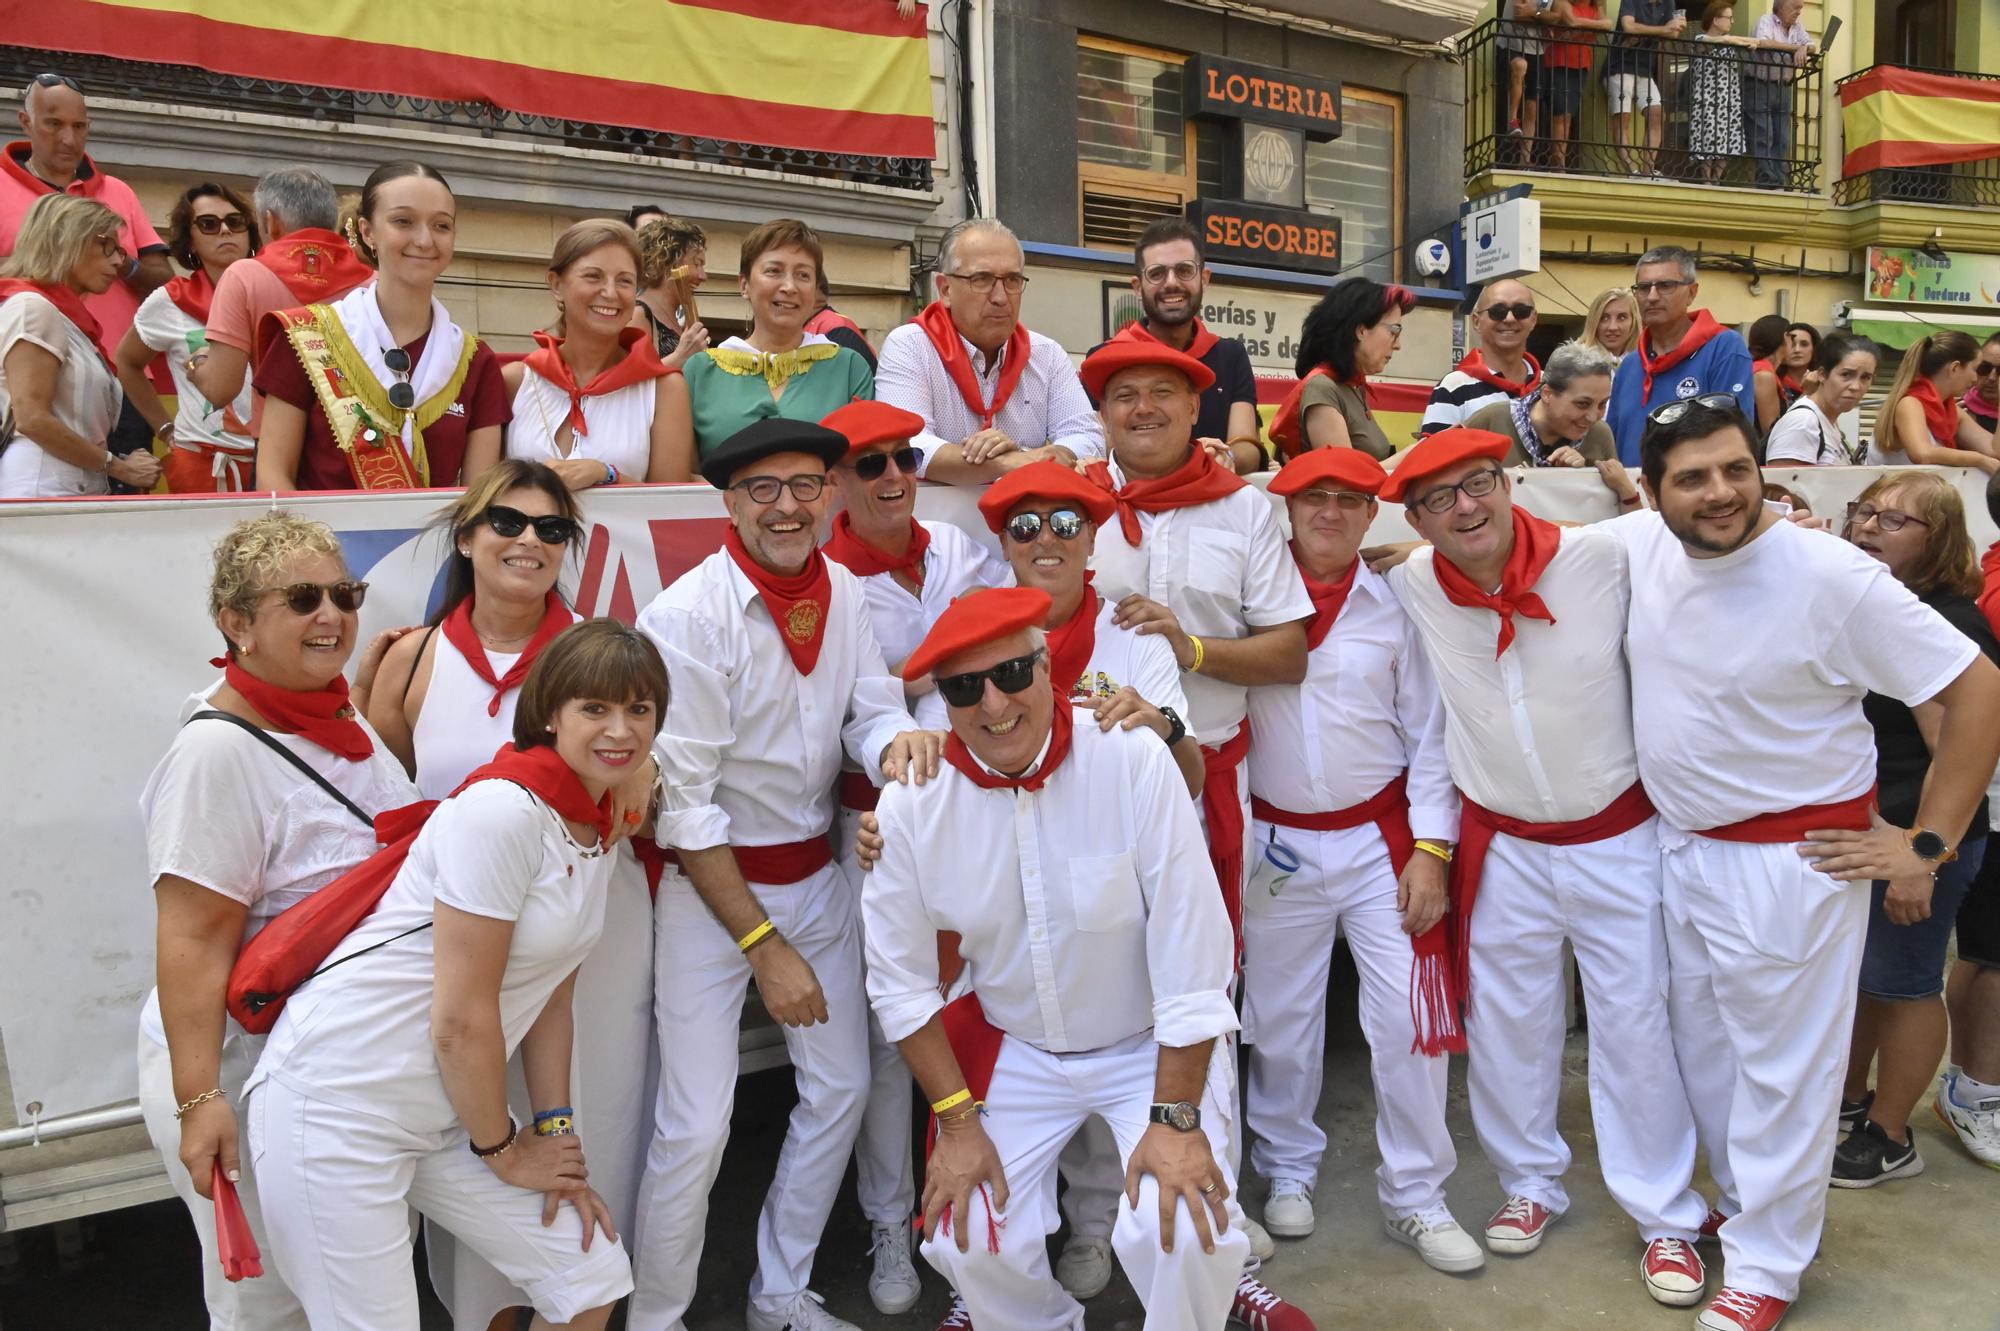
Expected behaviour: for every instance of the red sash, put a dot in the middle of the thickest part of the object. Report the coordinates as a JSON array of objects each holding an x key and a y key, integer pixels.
[
  {"x": 1793, "y": 824},
  {"x": 193, "y": 294},
  {"x": 1535, "y": 544},
  {"x": 1071, "y": 644},
  {"x": 1222, "y": 812},
  {"x": 639, "y": 365},
  {"x": 1699, "y": 334},
  {"x": 315, "y": 265},
  {"x": 798, "y": 602},
  {"x": 857, "y": 792},
  {"x": 772, "y": 866},
  {"x": 935, "y": 320},
  {"x": 67, "y": 303},
  {"x": 1328, "y": 599},
  {"x": 1196, "y": 481},
  {"x": 863, "y": 560}
]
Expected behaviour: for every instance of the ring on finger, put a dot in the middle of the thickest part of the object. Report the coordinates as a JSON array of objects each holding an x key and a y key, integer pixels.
[{"x": 1208, "y": 1190}]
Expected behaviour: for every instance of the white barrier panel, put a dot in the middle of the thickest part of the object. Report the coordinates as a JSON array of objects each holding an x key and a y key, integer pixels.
[{"x": 108, "y": 632}]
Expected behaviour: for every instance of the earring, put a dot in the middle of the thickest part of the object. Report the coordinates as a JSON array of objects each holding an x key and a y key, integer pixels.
[
  {"x": 550, "y": 728},
  {"x": 465, "y": 551},
  {"x": 245, "y": 648}
]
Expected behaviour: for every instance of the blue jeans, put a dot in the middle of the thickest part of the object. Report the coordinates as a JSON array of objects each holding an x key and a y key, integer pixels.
[
  {"x": 1767, "y": 107},
  {"x": 1906, "y": 961}
]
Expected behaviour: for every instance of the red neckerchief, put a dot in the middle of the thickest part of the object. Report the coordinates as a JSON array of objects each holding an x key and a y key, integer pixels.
[
  {"x": 1763, "y": 365},
  {"x": 1203, "y": 343},
  {"x": 1197, "y": 481},
  {"x": 1327, "y": 598},
  {"x": 458, "y": 631},
  {"x": 67, "y": 303},
  {"x": 828, "y": 319},
  {"x": 639, "y": 364},
  {"x": 1534, "y": 546},
  {"x": 1288, "y": 427},
  {"x": 88, "y": 184},
  {"x": 935, "y": 320},
  {"x": 193, "y": 294},
  {"x": 315, "y": 264},
  {"x": 1475, "y": 365},
  {"x": 1072, "y": 643},
  {"x": 1939, "y": 415},
  {"x": 1060, "y": 727},
  {"x": 1699, "y": 333},
  {"x": 324, "y": 716},
  {"x": 798, "y": 604},
  {"x": 865, "y": 561},
  {"x": 1989, "y": 595}
]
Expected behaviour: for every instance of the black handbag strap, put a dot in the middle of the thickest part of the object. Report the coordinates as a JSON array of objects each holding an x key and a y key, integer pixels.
[{"x": 263, "y": 737}]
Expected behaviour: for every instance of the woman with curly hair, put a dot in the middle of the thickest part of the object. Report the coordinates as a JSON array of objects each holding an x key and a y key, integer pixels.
[
  {"x": 673, "y": 262},
  {"x": 1350, "y": 334}
]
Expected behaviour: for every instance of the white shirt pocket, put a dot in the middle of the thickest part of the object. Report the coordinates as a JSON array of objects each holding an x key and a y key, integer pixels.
[{"x": 1106, "y": 893}]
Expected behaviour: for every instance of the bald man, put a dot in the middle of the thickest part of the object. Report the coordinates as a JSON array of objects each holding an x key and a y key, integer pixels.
[{"x": 1499, "y": 369}]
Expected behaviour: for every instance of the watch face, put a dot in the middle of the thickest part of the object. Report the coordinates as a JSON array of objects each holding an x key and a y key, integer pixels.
[{"x": 1928, "y": 845}]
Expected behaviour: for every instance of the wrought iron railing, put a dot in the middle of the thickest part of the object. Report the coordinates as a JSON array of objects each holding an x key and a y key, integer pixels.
[
  {"x": 1730, "y": 114},
  {"x": 187, "y": 85},
  {"x": 1963, "y": 184}
]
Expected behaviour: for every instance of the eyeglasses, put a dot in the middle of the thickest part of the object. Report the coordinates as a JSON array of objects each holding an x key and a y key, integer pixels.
[
  {"x": 983, "y": 282},
  {"x": 1664, "y": 288},
  {"x": 57, "y": 81},
  {"x": 1984, "y": 368},
  {"x": 1395, "y": 330},
  {"x": 303, "y": 598},
  {"x": 1351, "y": 500},
  {"x": 1520, "y": 309},
  {"x": 1181, "y": 272},
  {"x": 873, "y": 466},
  {"x": 764, "y": 489},
  {"x": 112, "y": 248},
  {"x": 1673, "y": 411},
  {"x": 1444, "y": 498},
  {"x": 1888, "y": 519},
  {"x": 1009, "y": 677},
  {"x": 211, "y": 224},
  {"x": 1065, "y": 523},
  {"x": 550, "y": 529},
  {"x": 401, "y": 396}
]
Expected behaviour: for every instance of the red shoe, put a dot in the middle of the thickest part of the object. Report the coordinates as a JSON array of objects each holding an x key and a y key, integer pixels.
[
  {"x": 1518, "y": 1226},
  {"x": 1711, "y": 1228},
  {"x": 1674, "y": 1274},
  {"x": 1258, "y": 1309},
  {"x": 957, "y": 1317},
  {"x": 1740, "y": 1310}
]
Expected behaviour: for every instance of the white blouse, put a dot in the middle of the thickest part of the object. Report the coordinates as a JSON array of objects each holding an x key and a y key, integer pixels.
[
  {"x": 621, "y": 425},
  {"x": 86, "y": 399}
]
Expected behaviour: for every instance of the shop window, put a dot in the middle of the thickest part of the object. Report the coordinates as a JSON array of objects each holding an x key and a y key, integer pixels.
[
  {"x": 1358, "y": 178},
  {"x": 1135, "y": 147}
]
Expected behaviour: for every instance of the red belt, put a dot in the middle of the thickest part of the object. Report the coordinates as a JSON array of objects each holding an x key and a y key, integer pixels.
[
  {"x": 775, "y": 866},
  {"x": 1388, "y": 808},
  {"x": 857, "y": 792},
  {"x": 1222, "y": 810},
  {"x": 1793, "y": 824}
]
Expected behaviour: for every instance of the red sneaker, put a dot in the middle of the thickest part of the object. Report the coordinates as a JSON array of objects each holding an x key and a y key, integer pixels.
[
  {"x": 1711, "y": 1228},
  {"x": 1258, "y": 1309},
  {"x": 957, "y": 1317},
  {"x": 1674, "y": 1274},
  {"x": 1518, "y": 1226},
  {"x": 1740, "y": 1310}
]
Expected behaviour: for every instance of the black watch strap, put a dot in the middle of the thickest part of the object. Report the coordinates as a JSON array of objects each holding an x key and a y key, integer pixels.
[{"x": 1178, "y": 731}]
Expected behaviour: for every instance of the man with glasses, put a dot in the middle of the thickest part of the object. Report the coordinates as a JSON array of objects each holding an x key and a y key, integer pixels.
[
  {"x": 1524, "y": 623},
  {"x": 1982, "y": 400},
  {"x": 993, "y": 395},
  {"x": 1682, "y": 352},
  {"x": 776, "y": 676},
  {"x": 1499, "y": 369}
]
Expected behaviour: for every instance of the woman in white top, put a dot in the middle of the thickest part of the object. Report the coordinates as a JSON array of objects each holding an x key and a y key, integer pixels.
[
  {"x": 56, "y": 382},
  {"x": 384, "y": 1084},
  {"x": 211, "y": 228},
  {"x": 1809, "y": 434},
  {"x": 245, "y": 818},
  {"x": 595, "y": 401},
  {"x": 446, "y": 701}
]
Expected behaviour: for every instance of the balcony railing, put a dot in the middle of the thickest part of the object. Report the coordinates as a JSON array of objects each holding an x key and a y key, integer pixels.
[
  {"x": 189, "y": 86},
  {"x": 1958, "y": 184},
  {"x": 1538, "y": 98}
]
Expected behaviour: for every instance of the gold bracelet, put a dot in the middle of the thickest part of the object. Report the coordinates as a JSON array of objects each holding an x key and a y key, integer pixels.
[
  {"x": 756, "y": 936},
  {"x": 952, "y": 1101},
  {"x": 970, "y": 1111},
  {"x": 1436, "y": 848},
  {"x": 203, "y": 1098},
  {"x": 1200, "y": 655}
]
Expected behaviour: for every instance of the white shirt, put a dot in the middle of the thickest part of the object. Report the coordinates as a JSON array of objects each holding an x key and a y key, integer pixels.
[
  {"x": 1544, "y": 733},
  {"x": 226, "y": 813},
  {"x": 1088, "y": 911},
  {"x": 621, "y": 425},
  {"x": 1223, "y": 569},
  {"x": 454, "y": 733},
  {"x": 1121, "y": 657},
  {"x": 86, "y": 399},
  {"x": 1751, "y": 669},
  {"x": 1368, "y": 712},
  {"x": 1048, "y": 405},
  {"x": 359, "y": 1035},
  {"x": 1806, "y": 434},
  {"x": 174, "y": 333},
  {"x": 954, "y": 564},
  {"x": 749, "y": 747}
]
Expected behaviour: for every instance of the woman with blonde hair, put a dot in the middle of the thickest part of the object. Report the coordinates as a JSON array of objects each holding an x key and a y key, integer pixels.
[
  {"x": 594, "y": 400},
  {"x": 673, "y": 263},
  {"x": 1612, "y": 321},
  {"x": 1921, "y": 421},
  {"x": 57, "y": 387}
]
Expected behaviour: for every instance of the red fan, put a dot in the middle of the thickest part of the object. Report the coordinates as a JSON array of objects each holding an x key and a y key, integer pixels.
[{"x": 234, "y": 1242}]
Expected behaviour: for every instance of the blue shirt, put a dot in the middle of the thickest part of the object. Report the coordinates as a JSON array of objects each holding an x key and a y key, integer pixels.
[{"x": 1721, "y": 365}]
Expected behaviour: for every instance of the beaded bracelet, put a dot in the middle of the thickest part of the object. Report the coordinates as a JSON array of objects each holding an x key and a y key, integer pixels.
[{"x": 506, "y": 1143}]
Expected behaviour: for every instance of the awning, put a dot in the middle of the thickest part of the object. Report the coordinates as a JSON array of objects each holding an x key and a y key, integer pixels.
[{"x": 1900, "y": 328}]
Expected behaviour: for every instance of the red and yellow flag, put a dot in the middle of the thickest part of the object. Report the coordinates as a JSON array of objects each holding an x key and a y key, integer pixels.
[
  {"x": 1894, "y": 117},
  {"x": 842, "y": 76}
]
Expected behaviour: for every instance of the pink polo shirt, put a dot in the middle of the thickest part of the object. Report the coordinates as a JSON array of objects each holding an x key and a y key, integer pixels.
[{"x": 19, "y": 188}]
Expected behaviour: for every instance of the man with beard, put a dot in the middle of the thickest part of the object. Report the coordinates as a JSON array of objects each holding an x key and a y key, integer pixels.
[
  {"x": 1682, "y": 352},
  {"x": 1765, "y": 932},
  {"x": 1499, "y": 369}
]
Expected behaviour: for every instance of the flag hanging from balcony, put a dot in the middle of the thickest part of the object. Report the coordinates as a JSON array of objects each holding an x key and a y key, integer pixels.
[
  {"x": 836, "y": 76},
  {"x": 1892, "y": 117}
]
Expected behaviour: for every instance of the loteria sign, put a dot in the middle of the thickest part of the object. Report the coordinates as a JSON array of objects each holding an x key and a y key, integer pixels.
[{"x": 1231, "y": 90}]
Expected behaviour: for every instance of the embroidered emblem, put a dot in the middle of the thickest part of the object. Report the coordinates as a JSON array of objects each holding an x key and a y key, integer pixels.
[{"x": 802, "y": 621}]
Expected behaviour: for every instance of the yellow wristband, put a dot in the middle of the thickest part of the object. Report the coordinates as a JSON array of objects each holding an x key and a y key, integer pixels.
[
  {"x": 950, "y": 1102},
  {"x": 1200, "y": 654},
  {"x": 756, "y": 936},
  {"x": 1438, "y": 849}
]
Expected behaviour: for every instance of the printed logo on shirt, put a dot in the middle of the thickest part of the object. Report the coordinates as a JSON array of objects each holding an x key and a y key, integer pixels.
[
  {"x": 1687, "y": 387},
  {"x": 455, "y": 409},
  {"x": 1092, "y": 686}
]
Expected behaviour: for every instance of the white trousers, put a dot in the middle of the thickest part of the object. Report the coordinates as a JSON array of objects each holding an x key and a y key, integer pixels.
[
  {"x": 613, "y": 1071},
  {"x": 265, "y": 1303},
  {"x": 884, "y": 1178},
  {"x": 1344, "y": 885},
  {"x": 1036, "y": 1104},
  {"x": 700, "y": 980},
  {"x": 1766, "y": 955},
  {"x": 1604, "y": 898},
  {"x": 337, "y": 1189}
]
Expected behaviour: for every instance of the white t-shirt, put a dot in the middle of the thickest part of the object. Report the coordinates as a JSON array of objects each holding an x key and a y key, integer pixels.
[
  {"x": 954, "y": 564},
  {"x": 171, "y": 331},
  {"x": 1805, "y": 434},
  {"x": 86, "y": 399},
  {"x": 1748, "y": 670},
  {"x": 359, "y": 1036},
  {"x": 1121, "y": 657}
]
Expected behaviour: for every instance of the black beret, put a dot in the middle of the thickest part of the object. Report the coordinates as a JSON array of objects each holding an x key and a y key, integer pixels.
[{"x": 767, "y": 438}]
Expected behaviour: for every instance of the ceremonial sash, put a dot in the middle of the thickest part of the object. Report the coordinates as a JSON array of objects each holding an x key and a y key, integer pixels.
[{"x": 1793, "y": 824}]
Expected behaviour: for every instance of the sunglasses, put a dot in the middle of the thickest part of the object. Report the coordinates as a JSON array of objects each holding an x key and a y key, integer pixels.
[
  {"x": 873, "y": 466},
  {"x": 764, "y": 489},
  {"x": 401, "y": 396},
  {"x": 1520, "y": 309},
  {"x": 1985, "y": 368},
  {"x": 57, "y": 81},
  {"x": 1673, "y": 411},
  {"x": 303, "y": 598},
  {"x": 212, "y": 224},
  {"x": 1066, "y": 523},
  {"x": 1009, "y": 677},
  {"x": 552, "y": 529}
]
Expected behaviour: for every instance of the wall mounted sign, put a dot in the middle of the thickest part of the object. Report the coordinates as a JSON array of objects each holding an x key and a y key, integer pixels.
[
  {"x": 1267, "y": 237},
  {"x": 1232, "y": 90}
]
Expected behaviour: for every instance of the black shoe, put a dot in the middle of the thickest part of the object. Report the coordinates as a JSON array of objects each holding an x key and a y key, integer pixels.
[
  {"x": 1867, "y": 1157},
  {"x": 1853, "y": 1111}
]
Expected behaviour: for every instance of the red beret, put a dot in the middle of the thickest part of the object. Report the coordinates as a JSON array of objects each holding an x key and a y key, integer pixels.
[
  {"x": 1044, "y": 480},
  {"x": 1122, "y": 354},
  {"x": 1330, "y": 469},
  {"x": 868, "y": 423},
  {"x": 1446, "y": 448},
  {"x": 976, "y": 618}
]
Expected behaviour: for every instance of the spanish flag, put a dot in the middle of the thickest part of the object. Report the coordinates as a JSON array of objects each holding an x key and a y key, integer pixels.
[
  {"x": 1902, "y": 117},
  {"x": 837, "y": 76}
]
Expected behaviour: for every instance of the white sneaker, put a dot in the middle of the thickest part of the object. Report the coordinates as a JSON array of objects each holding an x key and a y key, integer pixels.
[
  {"x": 1261, "y": 1246},
  {"x": 893, "y": 1284},
  {"x": 1288, "y": 1211},
  {"x": 1084, "y": 1268},
  {"x": 1977, "y": 1126},
  {"x": 805, "y": 1314},
  {"x": 1438, "y": 1240}
]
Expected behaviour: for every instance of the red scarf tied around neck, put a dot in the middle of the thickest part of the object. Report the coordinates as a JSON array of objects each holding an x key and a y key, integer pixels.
[
  {"x": 1202, "y": 343},
  {"x": 1535, "y": 544},
  {"x": 1197, "y": 481},
  {"x": 935, "y": 320},
  {"x": 1061, "y": 727},
  {"x": 1288, "y": 427},
  {"x": 798, "y": 603},
  {"x": 1475, "y": 365},
  {"x": 863, "y": 560},
  {"x": 639, "y": 364},
  {"x": 1328, "y": 598},
  {"x": 1940, "y": 417},
  {"x": 1074, "y": 642},
  {"x": 1699, "y": 333},
  {"x": 67, "y": 303},
  {"x": 193, "y": 294},
  {"x": 324, "y": 716},
  {"x": 315, "y": 264},
  {"x": 458, "y": 631}
]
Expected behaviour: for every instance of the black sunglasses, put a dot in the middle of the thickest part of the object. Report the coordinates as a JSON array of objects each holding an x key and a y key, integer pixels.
[
  {"x": 1984, "y": 368},
  {"x": 552, "y": 529},
  {"x": 1066, "y": 523},
  {"x": 401, "y": 396},
  {"x": 57, "y": 81},
  {"x": 1670, "y": 412},
  {"x": 211, "y": 224},
  {"x": 303, "y": 598},
  {"x": 873, "y": 466},
  {"x": 1519, "y": 310},
  {"x": 1010, "y": 676}
]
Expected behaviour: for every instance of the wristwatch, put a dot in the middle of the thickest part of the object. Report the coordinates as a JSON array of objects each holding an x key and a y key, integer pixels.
[
  {"x": 1928, "y": 845},
  {"x": 1178, "y": 730},
  {"x": 1180, "y": 1116}
]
